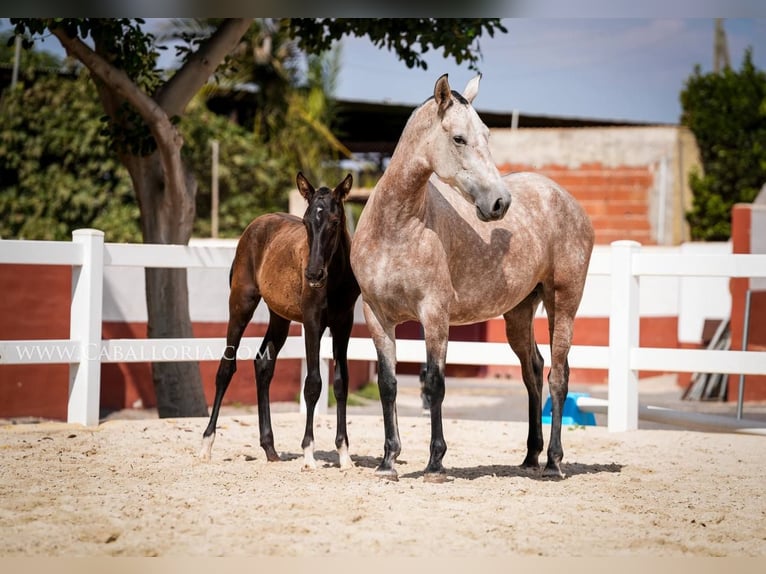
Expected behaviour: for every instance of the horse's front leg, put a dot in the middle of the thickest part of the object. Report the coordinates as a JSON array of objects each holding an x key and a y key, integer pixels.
[
  {"x": 436, "y": 335},
  {"x": 385, "y": 345},
  {"x": 341, "y": 332},
  {"x": 312, "y": 386}
]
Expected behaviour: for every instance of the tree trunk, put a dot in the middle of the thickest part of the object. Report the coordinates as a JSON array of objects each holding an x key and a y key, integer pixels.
[
  {"x": 178, "y": 385},
  {"x": 165, "y": 190}
]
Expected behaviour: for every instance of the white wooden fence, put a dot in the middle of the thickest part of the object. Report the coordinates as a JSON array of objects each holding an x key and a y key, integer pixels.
[{"x": 85, "y": 351}]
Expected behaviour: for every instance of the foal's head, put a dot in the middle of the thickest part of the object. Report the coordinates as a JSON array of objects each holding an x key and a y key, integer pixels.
[
  {"x": 325, "y": 222},
  {"x": 458, "y": 149}
]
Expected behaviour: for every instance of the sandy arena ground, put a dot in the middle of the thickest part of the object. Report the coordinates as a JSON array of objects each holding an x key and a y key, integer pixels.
[{"x": 136, "y": 488}]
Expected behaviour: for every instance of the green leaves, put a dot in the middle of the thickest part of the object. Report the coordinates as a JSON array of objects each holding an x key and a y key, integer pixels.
[
  {"x": 408, "y": 38},
  {"x": 57, "y": 172},
  {"x": 726, "y": 114}
]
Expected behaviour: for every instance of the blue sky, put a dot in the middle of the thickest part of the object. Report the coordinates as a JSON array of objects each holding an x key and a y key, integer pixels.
[{"x": 631, "y": 69}]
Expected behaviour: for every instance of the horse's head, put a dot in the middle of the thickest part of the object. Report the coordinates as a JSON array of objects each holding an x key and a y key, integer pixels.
[
  {"x": 325, "y": 222},
  {"x": 458, "y": 149}
]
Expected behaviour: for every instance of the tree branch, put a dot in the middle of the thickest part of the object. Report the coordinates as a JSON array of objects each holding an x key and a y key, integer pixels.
[
  {"x": 180, "y": 89},
  {"x": 169, "y": 140},
  {"x": 149, "y": 110}
]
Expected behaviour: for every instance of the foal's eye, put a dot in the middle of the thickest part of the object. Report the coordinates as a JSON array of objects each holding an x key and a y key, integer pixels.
[{"x": 459, "y": 140}]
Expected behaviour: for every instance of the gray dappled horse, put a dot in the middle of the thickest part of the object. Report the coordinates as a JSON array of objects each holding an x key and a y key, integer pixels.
[{"x": 463, "y": 247}]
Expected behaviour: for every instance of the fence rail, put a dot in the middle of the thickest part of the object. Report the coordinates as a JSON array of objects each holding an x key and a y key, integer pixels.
[{"x": 84, "y": 351}]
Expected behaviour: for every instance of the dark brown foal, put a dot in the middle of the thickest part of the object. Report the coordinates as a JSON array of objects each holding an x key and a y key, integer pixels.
[{"x": 301, "y": 269}]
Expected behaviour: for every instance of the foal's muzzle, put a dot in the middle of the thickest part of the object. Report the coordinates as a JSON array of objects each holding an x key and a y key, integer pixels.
[{"x": 316, "y": 279}]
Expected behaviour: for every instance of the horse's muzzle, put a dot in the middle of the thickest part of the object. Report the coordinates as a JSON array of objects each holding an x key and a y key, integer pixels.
[{"x": 495, "y": 212}]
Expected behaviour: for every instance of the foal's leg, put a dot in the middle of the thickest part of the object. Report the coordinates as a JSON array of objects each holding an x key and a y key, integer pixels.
[
  {"x": 265, "y": 361},
  {"x": 385, "y": 345},
  {"x": 312, "y": 386},
  {"x": 341, "y": 332},
  {"x": 519, "y": 330},
  {"x": 242, "y": 303}
]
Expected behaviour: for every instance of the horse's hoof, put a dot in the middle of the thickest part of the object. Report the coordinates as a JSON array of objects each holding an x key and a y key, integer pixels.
[
  {"x": 271, "y": 454},
  {"x": 204, "y": 453},
  {"x": 435, "y": 477},
  {"x": 344, "y": 459},
  {"x": 553, "y": 471},
  {"x": 530, "y": 462},
  {"x": 387, "y": 473},
  {"x": 308, "y": 467},
  {"x": 207, "y": 447}
]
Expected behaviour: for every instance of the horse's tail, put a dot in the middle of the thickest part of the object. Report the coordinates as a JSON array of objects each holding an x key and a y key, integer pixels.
[{"x": 231, "y": 273}]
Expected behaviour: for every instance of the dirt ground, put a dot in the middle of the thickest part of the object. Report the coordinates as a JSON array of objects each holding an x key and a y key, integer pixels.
[{"x": 136, "y": 488}]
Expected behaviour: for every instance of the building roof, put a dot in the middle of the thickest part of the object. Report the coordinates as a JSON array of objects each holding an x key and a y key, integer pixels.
[{"x": 367, "y": 127}]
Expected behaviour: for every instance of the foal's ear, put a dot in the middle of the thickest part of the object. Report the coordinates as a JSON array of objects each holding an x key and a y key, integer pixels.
[
  {"x": 472, "y": 88},
  {"x": 443, "y": 94},
  {"x": 341, "y": 191},
  {"x": 306, "y": 189}
]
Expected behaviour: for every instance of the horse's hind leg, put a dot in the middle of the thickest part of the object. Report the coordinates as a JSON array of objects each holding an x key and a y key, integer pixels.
[
  {"x": 519, "y": 330},
  {"x": 340, "y": 336},
  {"x": 264, "y": 363},
  {"x": 436, "y": 333},
  {"x": 561, "y": 314},
  {"x": 242, "y": 303}
]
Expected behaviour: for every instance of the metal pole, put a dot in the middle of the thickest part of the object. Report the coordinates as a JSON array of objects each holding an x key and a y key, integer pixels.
[
  {"x": 745, "y": 329},
  {"x": 214, "y": 191},
  {"x": 16, "y": 61}
]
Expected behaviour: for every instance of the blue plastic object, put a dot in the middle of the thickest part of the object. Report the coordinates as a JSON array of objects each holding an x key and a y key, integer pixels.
[{"x": 572, "y": 415}]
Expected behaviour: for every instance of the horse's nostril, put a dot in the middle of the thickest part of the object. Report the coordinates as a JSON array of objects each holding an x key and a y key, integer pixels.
[
  {"x": 499, "y": 207},
  {"x": 317, "y": 277}
]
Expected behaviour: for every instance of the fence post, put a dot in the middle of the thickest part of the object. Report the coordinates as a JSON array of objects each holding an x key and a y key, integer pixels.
[
  {"x": 85, "y": 327},
  {"x": 623, "y": 338}
]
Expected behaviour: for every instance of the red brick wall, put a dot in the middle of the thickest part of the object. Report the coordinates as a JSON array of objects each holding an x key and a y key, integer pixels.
[
  {"x": 35, "y": 305},
  {"x": 615, "y": 198}
]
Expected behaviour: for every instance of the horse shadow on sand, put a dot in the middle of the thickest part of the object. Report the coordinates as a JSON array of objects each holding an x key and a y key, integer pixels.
[{"x": 329, "y": 459}]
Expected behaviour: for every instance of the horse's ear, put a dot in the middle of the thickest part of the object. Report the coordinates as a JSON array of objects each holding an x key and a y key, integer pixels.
[
  {"x": 341, "y": 191},
  {"x": 306, "y": 189},
  {"x": 472, "y": 88},
  {"x": 443, "y": 94}
]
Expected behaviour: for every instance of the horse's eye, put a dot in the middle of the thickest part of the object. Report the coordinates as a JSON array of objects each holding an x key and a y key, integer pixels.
[{"x": 459, "y": 140}]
